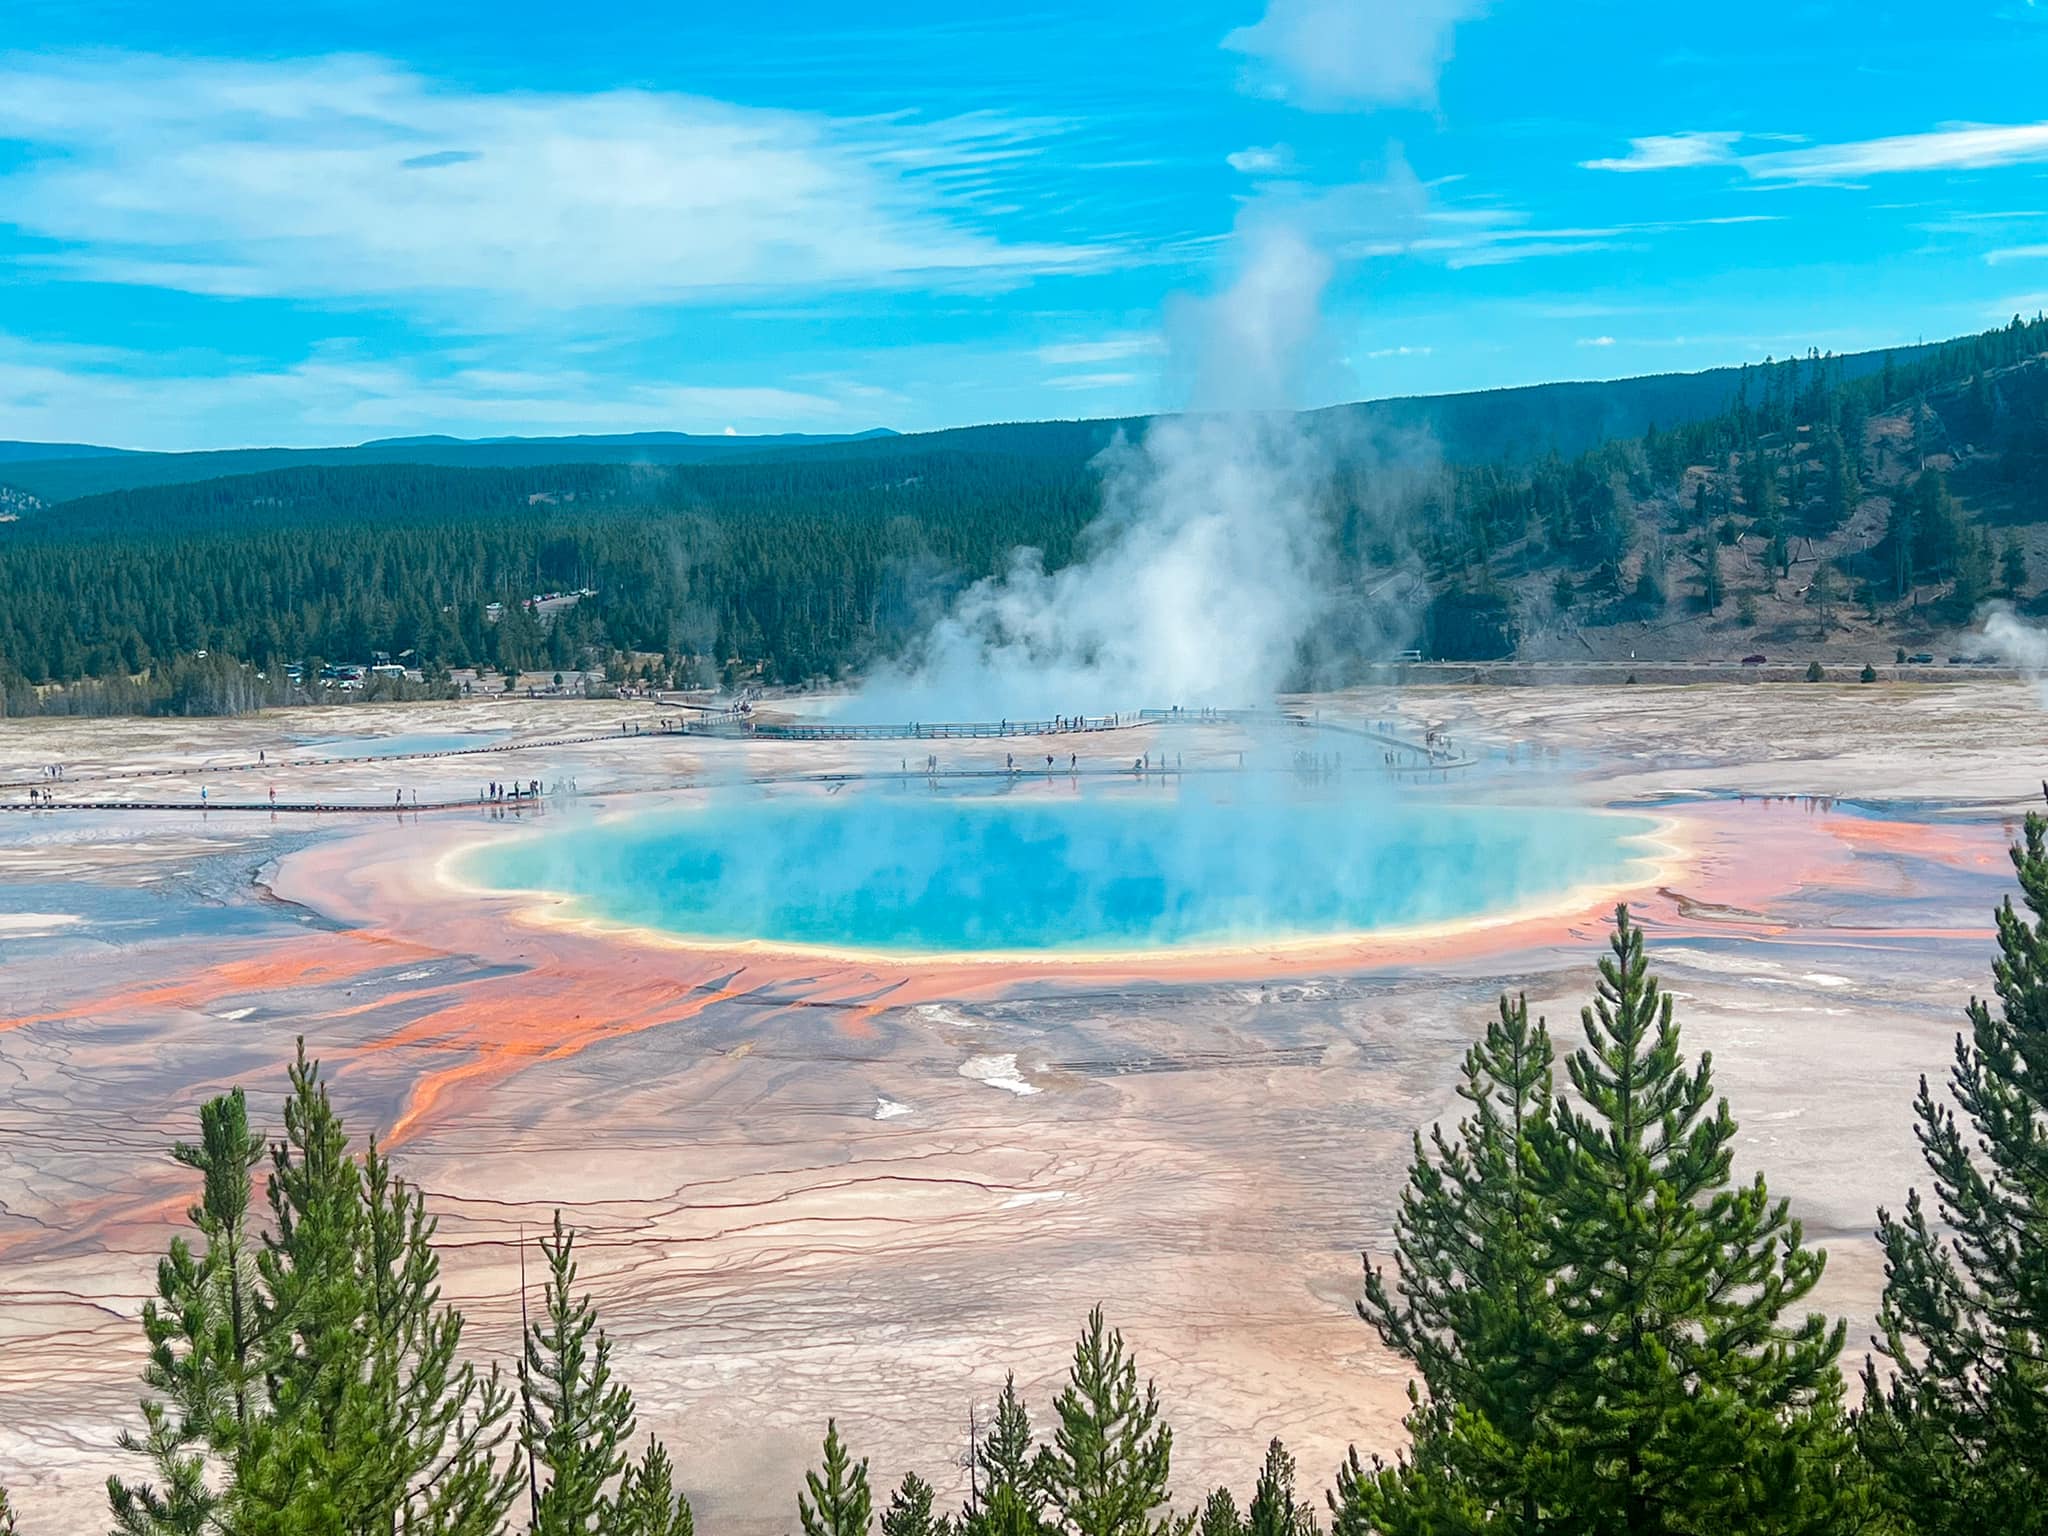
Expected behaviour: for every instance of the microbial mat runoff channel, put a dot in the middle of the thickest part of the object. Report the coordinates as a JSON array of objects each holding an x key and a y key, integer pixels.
[{"x": 894, "y": 873}]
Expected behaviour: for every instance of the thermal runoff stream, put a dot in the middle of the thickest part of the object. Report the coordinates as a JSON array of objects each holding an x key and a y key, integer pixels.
[{"x": 922, "y": 874}]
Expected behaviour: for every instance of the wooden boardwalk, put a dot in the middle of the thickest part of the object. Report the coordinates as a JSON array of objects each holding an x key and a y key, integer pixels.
[
  {"x": 525, "y": 805},
  {"x": 1416, "y": 758}
]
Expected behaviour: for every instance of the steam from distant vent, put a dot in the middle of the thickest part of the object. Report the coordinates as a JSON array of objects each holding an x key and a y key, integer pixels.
[
  {"x": 2010, "y": 638},
  {"x": 1212, "y": 564}
]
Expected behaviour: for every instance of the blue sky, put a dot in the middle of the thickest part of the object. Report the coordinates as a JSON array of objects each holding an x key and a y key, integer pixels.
[{"x": 231, "y": 224}]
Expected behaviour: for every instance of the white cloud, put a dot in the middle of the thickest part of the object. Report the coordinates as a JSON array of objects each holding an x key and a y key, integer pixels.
[
  {"x": 1950, "y": 147},
  {"x": 1596, "y": 341},
  {"x": 1261, "y": 160},
  {"x": 2017, "y": 253},
  {"x": 1671, "y": 151},
  {"x": 1401, "y": 352},
  {"x": 1332, "y": 55},
  {"x": 1491, "y": 236},
  {"x": 97, "y": 394},
  {"x": 352, "y": 179},
  {"x": 1091, "y": 381},
  {"x": 1107, "y": 349}
]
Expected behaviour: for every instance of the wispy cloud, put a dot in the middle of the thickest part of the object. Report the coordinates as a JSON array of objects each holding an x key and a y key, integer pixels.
[
  {"x": 1091, "y": 381},
  {"x": 1337, "y": 55},
  {"x": 1490, "y": 237},
  {"x": 1959, "y": 147},
  {"x": 1670, "y": 151},
  {"x": 1950, "y": 147},
  {"x": 1106, "y": 349},
  {"x": 2017, "y": 253},
  {"x": 1378, "y": 352},
  {"x": 355, "y": 180},
  {"x": 1596, "y": 341},
  {"x": 340, "y": 394},
  {"x": 1261, "y": 160}
]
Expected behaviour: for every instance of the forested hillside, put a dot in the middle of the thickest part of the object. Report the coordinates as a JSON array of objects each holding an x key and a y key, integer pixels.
[
  {"x": 1838, "y": 515},
  {"x": 1523, "y": 423},
  {"x": 1825, "y": 503},
  {"x": 797, "y": 567}
]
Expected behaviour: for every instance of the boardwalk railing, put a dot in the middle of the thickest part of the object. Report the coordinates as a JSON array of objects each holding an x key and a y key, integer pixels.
[{"x": 940, "y": 730}]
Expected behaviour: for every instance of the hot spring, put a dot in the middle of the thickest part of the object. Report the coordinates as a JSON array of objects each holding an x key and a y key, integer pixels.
[{"x": 924, "y": 874}]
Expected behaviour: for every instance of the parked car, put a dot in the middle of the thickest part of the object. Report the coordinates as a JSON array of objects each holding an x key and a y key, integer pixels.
[
  {"x": 1923, "y": 659},
  {"x": 1755, "y": 661}
]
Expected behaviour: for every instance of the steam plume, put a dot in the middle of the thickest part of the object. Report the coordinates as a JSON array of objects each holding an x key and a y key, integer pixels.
[{"x": 1212, "y": 562}]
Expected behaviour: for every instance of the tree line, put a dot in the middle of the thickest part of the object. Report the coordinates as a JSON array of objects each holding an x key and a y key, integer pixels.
[
  {"x": 818, "y": 565},
  {"x": 1608, "y": 1330}
]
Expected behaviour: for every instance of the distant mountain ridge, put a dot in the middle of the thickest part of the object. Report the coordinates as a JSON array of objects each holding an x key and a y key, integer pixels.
[
  {"x": 57, "y": 472},
  {"x": 28, "y": 453},
  {"x": 1522, "y": 422},
  {"x": 723, "y": 440}
]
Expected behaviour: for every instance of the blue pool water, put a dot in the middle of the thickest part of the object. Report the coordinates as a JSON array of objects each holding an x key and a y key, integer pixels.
[{"x": 920, "y": 874}]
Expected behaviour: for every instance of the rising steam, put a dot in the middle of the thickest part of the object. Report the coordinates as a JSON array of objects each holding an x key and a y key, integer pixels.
[{"x": 1212, "y": 563}]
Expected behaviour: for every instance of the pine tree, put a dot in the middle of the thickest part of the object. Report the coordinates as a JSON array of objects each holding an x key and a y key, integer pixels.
[
  {"x": 1105, "y": 1474},
  {"x": 1474, "y": 1312},
  {"x": 1958, "y": 1427},
  {"x": 1973, "y": 571},
  {"x": 1682, "y": 1402},
  {"x": 1415, "y": 1496},
  {"x": 438, "y": 1422},
  {"x": 1821, "y": 593},
  {"x": 1219, "y": 1515},
  {"x": 1902, "y": 537},
  {"x": 840, "y": 1502},
  {"x": 6, "y": 1515},
  {"x": 201, "y": 1328},
  {"x": 910, "y": 1511},
  {"x": 648, "y": 1502},
  {"x": 576, "y": 1421},
  {"x": 311, "y": 1382},
  {"x": 1274, "y": 1510},
  {"x": 374, "y": 1425},
  {"x": 313, "y": 1461},
  {"x": 1008, "y": 1500}
]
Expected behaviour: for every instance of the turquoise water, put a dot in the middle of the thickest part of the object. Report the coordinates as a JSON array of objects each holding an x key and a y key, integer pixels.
[{"x": 921, "y": 874}]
